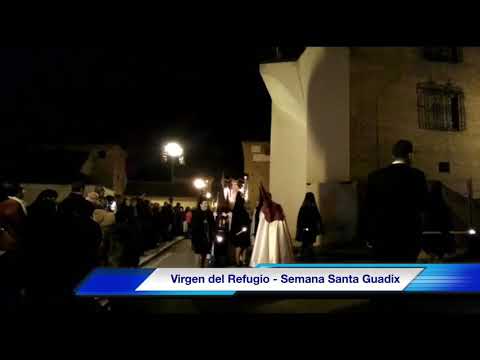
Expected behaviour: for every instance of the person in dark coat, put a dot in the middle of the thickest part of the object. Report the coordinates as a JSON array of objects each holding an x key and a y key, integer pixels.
[
  {"x": 157, "y": 222},
  {"x": 127, "y": 248},
  {"x": 12, "y": 230},
  {"x": 42, "y": 249},
  {"x": 146, "y": 221},
  {"x": 124, "y": 213},
  {"x": 177, "y": 220},
  {"x": 203, "y": 230},
  {"x": 81, "y": 238},
  {"x": 309, "y": 224},
  {"x": 167, "y": 221},
  {"x": 239, "y": 230},
  {"x": 396, "y": 199},
  {"x": 438, "y": 218},
  {"x": 75, "y": 203}
]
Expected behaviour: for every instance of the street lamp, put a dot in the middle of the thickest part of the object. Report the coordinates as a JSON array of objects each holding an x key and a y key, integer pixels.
[
  {"x": 199, "y": 184},
  {"x": 174, "y": 151}
]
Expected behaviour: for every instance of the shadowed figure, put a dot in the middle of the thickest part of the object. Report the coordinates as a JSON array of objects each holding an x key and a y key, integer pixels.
[
  {"x": 309, "y": 224},
  {"x": 396, "y": 198}
]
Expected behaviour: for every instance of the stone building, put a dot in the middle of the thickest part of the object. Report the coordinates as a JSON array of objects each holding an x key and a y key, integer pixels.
[
  {"x": 40, "y": 167},
  {"x": 336, "y": 112},
  {"x": 106, "y": 165},
  {"x": 388, "y": 102},
  {"x": 256, "y": 157}
]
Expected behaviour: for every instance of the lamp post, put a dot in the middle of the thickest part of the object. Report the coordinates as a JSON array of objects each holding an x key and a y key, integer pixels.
[{"x": 173, "y": 151}]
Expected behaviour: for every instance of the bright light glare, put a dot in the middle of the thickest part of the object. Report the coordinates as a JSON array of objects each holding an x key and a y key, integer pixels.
[
  {"x": 199, "y": 184},
  {"x": 244, "y": 229},
  {"x": 472, "y": 232},
  {"x": 173, "y": 149},
  {"x": 219, "y": 238},
  {"x": 208, "y": 195}
]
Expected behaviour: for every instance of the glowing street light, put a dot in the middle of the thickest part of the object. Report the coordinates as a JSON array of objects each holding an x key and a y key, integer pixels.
[
  {"x": 199, "y": 184},
  {"x": 174, "y": 151}
]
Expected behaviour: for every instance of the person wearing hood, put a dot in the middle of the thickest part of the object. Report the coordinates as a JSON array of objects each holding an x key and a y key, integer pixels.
[
  {"x": 273, "y": 243},
  {"x": 309, "y": 224}
]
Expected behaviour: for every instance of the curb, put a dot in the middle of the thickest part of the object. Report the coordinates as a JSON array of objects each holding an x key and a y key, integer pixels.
[{"x": 160, "y": 250}]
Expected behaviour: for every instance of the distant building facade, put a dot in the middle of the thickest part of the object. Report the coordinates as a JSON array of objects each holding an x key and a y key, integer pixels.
[
  {"x": 182, "y": 191},
  {"x": 107, "y": 164},
  {"x": 40, "y": 167},
  {"x": 256, "y": 157}
]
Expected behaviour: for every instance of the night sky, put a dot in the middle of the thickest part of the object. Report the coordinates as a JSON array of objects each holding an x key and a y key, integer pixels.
[{"x": 208, "y": 98}]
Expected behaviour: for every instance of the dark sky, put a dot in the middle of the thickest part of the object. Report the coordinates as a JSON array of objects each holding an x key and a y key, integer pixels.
[{"x": 208, "y": 98}]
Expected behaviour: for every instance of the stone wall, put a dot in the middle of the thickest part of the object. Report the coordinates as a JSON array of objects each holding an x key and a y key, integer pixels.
[
  {"x": 106, "y": 165},
  {"x": 383, "y": 102},
  {"x": 310, "y": 127}
]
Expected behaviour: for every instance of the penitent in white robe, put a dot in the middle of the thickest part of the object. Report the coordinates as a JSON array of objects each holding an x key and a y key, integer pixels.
[{"x": 273, "y": 244}]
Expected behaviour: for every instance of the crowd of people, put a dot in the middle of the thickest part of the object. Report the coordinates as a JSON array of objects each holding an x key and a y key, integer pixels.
[
  {"x": 230, "y": 235},
  {"x": 224, "y": 235},
  {"x": 48, "y": 247},
  {"x": 403, "y": 217}
]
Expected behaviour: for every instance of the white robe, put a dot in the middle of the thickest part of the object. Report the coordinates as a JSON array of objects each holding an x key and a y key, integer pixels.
[{"x": 273, "y": 244}]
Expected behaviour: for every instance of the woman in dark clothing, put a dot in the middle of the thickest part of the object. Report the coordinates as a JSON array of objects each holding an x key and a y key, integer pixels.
[
  {"x": 239, "y": 230},
  {"x": 309, "y": 224},
  {"x": 438, "y": 218},
  {"x": 203, "y": 230}
]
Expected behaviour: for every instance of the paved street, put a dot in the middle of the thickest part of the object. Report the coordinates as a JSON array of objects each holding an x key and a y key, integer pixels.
[{"x": 178, "y": 255}]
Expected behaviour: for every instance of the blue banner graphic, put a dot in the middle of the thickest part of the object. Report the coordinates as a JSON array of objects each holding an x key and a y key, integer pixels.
[{"x": 412, "y": 278}]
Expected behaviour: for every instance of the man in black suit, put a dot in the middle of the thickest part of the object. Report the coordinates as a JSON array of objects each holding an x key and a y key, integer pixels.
[
  {"x": 75, "y": 203},
  {"x": 396, "y": 198},
  {"x": 80, "y": 240}
]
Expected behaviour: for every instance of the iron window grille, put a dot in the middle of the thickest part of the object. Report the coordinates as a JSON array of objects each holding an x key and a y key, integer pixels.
[
  {"x": 448, "y": 54},
  {"x": 440, "y": 107}
]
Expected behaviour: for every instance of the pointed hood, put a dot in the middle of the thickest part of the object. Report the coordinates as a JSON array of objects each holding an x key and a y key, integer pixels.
[{"x": 270, "y": 209}]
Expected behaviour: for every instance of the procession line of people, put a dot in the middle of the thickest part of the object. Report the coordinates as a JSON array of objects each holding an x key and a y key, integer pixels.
[
  {"x": 48, "y": 247},
  {"x": 399, "y": 206}
]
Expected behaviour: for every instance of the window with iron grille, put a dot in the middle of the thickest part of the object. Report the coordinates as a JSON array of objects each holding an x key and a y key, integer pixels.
[
  {"x": 440, "y": 107},
  {"x": 449, "y": 54}
]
